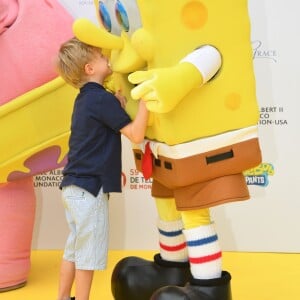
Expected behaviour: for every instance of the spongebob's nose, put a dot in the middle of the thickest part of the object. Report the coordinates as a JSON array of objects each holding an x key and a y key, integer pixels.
[{"x": 89, "y": 33}]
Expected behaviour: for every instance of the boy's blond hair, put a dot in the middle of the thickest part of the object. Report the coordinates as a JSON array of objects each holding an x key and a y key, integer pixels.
[{"x": 72, "y": 57}]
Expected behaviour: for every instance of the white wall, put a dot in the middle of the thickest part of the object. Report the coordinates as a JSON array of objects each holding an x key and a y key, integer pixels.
[{"x": 268, "y": 222}]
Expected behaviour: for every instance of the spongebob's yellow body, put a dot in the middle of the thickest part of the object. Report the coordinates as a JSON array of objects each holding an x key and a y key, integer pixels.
[{"x": 176, "y": 28}]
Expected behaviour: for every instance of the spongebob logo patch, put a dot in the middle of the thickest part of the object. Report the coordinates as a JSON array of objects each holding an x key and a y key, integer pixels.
[{"x": 259, "y": 175}]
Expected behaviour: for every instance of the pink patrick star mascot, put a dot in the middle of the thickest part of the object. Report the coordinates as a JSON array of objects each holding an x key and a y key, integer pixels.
[{"x": 35, "y": 107}]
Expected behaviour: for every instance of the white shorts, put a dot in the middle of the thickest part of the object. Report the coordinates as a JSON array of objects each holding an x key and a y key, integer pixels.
[{"x": 87, "y": 217}]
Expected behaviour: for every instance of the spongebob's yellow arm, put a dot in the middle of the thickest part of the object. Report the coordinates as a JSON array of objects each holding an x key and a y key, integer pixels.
[{"x": 164, "y": 88}]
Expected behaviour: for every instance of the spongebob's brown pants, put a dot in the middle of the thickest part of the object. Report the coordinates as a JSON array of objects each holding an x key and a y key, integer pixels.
[{"x": 204, "y": 180}]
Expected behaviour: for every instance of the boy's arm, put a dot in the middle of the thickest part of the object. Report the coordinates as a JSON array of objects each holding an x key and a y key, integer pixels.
[{"x": 135, "y": 131}]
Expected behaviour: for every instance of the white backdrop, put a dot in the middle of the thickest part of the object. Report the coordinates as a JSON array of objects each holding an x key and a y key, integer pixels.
[{"x": 270, "y": 220}]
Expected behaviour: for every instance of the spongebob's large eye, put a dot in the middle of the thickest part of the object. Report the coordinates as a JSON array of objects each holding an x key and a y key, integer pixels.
[
  {"x": 119, "y": 15},
  {"x": 122, "y": 16},
  {"x": 104, "y": 16}
]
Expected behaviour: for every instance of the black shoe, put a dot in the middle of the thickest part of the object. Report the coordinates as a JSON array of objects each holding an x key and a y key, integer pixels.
[
  {"x": 198, "y": 289},
  {"x": 72, "y": 298},
  {"x": 135, "y": 278}
]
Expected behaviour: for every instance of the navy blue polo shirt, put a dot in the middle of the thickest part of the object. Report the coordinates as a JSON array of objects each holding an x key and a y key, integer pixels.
[{"x": 94, "y": 158}]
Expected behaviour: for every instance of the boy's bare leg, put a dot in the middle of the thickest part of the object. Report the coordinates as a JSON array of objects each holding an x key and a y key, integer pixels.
[
  {"x": 83, "y": 283},
  {"x": 67, "y": 274}
]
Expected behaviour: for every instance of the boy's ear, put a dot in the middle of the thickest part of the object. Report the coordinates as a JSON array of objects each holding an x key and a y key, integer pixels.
[{"x": 88, "y": 68}]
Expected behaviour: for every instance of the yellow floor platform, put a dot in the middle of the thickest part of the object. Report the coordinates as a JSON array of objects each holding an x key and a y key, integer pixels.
[{"x": 255, "y": 276}]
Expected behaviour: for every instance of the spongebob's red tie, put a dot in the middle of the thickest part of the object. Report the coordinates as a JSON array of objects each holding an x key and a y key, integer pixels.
[{"x": 147, "y": 162}]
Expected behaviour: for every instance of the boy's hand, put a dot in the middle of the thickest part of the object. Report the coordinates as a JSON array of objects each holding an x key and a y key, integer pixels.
[{"x": 121, "y": 98}]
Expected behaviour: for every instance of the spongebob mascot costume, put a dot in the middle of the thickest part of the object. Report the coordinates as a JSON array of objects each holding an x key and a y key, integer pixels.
[{"x": 191, "y": 61}]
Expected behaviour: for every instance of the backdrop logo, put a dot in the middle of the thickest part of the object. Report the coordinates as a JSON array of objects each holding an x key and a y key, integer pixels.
[
  {"x": 48, "y": 179},
  {"x": 259, "y": 52},
  {"x": 136, "y": 181},
  {"x": 123, "y": 179},
  {"x": 259, "y": 175},
  {"x": 86, "y": 2}
]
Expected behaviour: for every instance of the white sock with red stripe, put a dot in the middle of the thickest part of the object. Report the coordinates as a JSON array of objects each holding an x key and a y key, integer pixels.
[
  {"x": 204, "y": 252},
  {"x": 172, "y": 241}
]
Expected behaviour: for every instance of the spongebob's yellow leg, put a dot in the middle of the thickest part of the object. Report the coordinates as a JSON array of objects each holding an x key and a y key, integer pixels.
[
  {"x": 171, "y": 238},
  {"x": 189, "y": 233},
  {"x": 167, "y": 211},
  {"x": 195, "y": 218}
]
